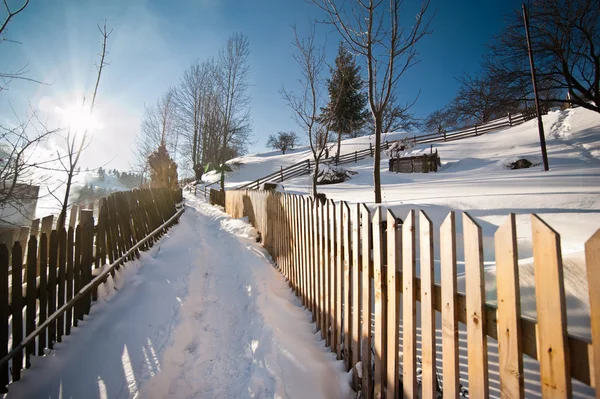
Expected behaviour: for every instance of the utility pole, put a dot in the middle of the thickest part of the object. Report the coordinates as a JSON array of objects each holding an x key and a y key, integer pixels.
[{"x": 535, "y": 92}]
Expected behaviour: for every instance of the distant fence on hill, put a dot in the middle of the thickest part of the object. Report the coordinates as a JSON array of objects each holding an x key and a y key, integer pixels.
[
  {"x": 348, "y": 265},
  {"x": 56, "y": 272},
  {"x": 306, "y": 166}
]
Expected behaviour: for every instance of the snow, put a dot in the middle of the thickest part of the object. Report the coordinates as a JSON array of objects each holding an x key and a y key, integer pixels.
[
  {"x": 204, "y": 313},
  {"x": 474, "y": 178}
]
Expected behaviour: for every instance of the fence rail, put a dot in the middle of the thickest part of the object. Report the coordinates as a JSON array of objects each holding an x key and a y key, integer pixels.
[
  {"x": 349, "y": 265},
  {"x": 54, "y": 285},
  {"x": 304, "y": 167}
]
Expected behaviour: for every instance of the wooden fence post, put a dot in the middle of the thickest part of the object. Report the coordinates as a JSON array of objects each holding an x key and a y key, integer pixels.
[
  {"x": 509, "y": 119},
  {"x": 428, "y": 359},
  {"x": 379, "y": 336},
  {"x": 52, "y": 270},
  {"x": 62, "y": 260},
  {"x": 592, "y": 260},
  {"x": 31, "y": 297},
  {"x": 450, "y": 369},
  {"x": 552, "y": 339},
  {"x": 356, "y": 263},
  {"x": 355, "y": 156},
  {"x": 346, "y": 285},
  {"x": 510, "y": 354},
  {"x": 69, "y": 278},
  {"x": 4, "y": 315},
  {"x": 394, "y": 244},
  {"x": 43, "y": 304},
  {"x": 367, "y": 302},
  {"x": 17, "y": 309},
  {"x": 409, "y": 320},
  {"x": 476, "y": 323}
]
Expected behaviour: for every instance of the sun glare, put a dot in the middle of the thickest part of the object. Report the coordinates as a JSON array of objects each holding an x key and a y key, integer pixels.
[{"x": 78, "y": 118}]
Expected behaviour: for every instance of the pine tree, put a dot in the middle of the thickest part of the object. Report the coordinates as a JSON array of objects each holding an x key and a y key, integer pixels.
[
  {"x": 163, "y": 170},
  {"x": 347, "y": 102}
]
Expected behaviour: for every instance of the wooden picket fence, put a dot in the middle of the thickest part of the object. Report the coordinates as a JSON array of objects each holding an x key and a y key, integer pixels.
[
  {"x": 349, "y": 265},
  {"x": 55, "y": 274}
]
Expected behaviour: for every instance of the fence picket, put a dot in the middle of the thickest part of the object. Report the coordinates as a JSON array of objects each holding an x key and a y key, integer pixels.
[
  {"x": 394, "y": 245},
  {"x": 327, "y": 273},
  {"x": 366, "y": 302},
  {"x": 592, "y": 260},
  {"x": 347, "y": 288},
  {"x": 69, "y": 279},
  {"x": 476, "y": 322},
  {"x": 428, "y": 359},
  {"x": 450, "y": 370},
  {"x": 4, "y": 315},
  {"x": 17, "y": 308},
  {"x": 339, "y": 278},
  {"x": 52, "y": 270},
  {"x": 62, "y": 259},
  {"x": 552, "y": 348},
  {"x": 379, "y": 337},
  {"x": 510, "y": 352},
  {"x": 356, "y": 264},
  {"x": 43, "y": 305},
  {"x": 409, "y": 317},
  {"x": 31, "y": 298}
]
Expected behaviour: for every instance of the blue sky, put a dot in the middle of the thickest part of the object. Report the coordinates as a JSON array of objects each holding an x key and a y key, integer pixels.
[{"x": 154, "y": 41}]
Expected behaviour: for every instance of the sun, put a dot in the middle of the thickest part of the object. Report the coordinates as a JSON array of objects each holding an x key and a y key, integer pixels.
[{"x": 78, "y": 118}]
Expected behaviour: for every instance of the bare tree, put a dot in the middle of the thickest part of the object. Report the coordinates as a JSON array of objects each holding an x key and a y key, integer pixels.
[
  {"x": 233, "y": 69},
  {"x": 307, "y": 103},
  {"x": 565, "y": 38},
  {"x": 158, "y": 126},
  {"x": 283, "y": 141},
  {"x": 75, "y": 143},
  {"x": 439, "y": 121},
  {"x": 372, "y": 29}
]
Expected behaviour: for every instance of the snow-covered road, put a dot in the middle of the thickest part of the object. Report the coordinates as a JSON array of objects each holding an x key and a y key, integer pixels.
[{"x": 204, "y": 314}]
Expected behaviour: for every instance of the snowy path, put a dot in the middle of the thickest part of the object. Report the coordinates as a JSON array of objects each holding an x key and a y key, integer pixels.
[{"x": 203, "y": 315}]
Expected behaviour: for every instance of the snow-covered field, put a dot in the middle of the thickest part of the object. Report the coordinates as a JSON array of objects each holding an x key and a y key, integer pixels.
[{"x": 204, "y": 314}]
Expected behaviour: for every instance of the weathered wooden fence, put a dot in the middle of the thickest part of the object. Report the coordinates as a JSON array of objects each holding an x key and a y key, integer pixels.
[
  {"x": 356, "y": 273},
  {"x": 55, "y": 275}
]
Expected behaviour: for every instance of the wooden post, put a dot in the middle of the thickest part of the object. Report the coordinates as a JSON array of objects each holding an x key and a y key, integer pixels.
[
  {"x": 510, "y": 353},
  {"x": 356, "y": 263},
  {"x": 379, "y": 338},
  {"x": 366, "y": 302},
  {"x": 4, "y": 315},
  {"x": 450, "y": 370},
  {"x": 552, "y": 338},
  {"x": 476, "y": 323},
  {"x": 17, "y": 309},
  {"x": 592, "y": 261},
  {"x": 347, "y": 285},
  {"x": 475, "y": 130},
  {"x": 355, "y": 156},
  {"x": 339, "y": 278},
  {"x": 409, "y": 320},
  {"x": 509, "y": 119},
  {"x": 43, "y": 304},
  {"x": 371, "y": 149},
  {"x": 428, "y": 360},
  {"x": 394, "y": 245},
  {"x": 31, "y": 297},
  {"x": 62, "y": 260},
  {"x": 69, "y": 279},
  {"x": 52, "y": 271},
  {"x": 281, "y": 172}
]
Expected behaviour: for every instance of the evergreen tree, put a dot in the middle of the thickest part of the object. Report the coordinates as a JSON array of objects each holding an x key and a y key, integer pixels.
[
  {"x": 163, "y": 170},
  {"x": 347, "y": 102}
]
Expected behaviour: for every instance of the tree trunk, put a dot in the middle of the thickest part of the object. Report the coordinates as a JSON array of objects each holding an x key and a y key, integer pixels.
[
  {"x": 377, "y": 158},
  {"x": 337, "y": 156},
  {"x": 315, "y": 177}
]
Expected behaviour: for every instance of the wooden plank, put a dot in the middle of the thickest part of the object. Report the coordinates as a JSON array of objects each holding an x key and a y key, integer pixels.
[
  {"x": 62, "y": 260},
  {"x": 304, "y": 250},
  {"x": 449, "y": 309},
  {"x": 476, "y": 322},
  {"x": 43, "y": 304},
  {"x": 4, "y": 315},
  {"x": 69, "y": 279},
  {"x": 46, "y": 228},
  {"x": 52, "y": 271},
  {"x": 77, "y": 314},
  {"x": 409, "y": 317},
  {"x": 326, "y": 269},
  {"x": 356, "y": 291},
  {"x": 347, "y": 286},
  {"x": 320, "y": 268},
  {"x": 394, "y": 246},
  {"x": 379, "y": 337},
  {"x": 428, "y": 359},
  {"x": 17, "y": 309},
  {"x": 592, "y": 262},
  {"x": 312, "y": 260},
  {"x": 366, "y": 303},
  {"x": 552, "y": 348},
  {"x": 339, "y": 278},
  {"x": 510, "y": 352},
  {"x": 87, "y": 247},
  {"x": 31, "y": 297},
  {"x": 73, "y": 216}
]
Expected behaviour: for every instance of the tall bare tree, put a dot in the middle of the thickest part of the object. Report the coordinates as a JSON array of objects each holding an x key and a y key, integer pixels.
[
  {"x": 565, "y": 39},
  {"x": 234, "y": 70},
  {"x": 306, "y": 103},
  {"x": 372, "y": 29},
  {"x": 75, "y": 142}
]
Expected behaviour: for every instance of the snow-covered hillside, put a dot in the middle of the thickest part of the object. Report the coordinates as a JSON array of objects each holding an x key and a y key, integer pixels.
[{"x": 474, "y": 178}]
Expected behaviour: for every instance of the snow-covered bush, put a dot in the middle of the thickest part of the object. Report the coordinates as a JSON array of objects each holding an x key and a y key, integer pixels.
[{"x": 329, "y": 174}]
